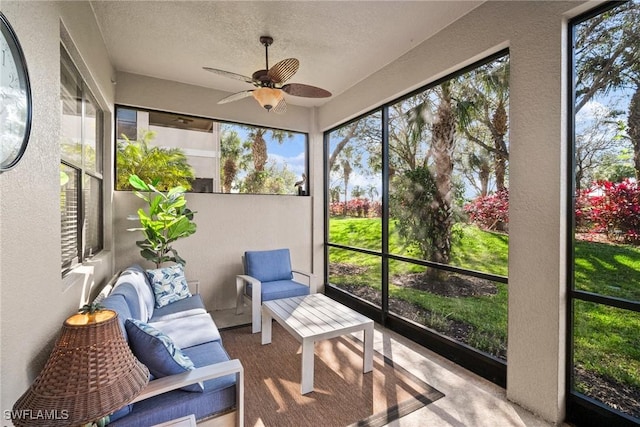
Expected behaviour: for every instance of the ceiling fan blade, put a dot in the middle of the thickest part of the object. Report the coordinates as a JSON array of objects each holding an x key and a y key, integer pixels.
[
  {"x": 307, "y": 91},
  {"x": 229, "y": 74},
  {"x": 236, "y": 96},
  {"x": 283, "y": 70},
  {"x": 281, "y": 107}
]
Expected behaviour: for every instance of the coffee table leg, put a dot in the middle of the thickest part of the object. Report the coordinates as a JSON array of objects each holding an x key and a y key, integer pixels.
[
  {"x": 266, "y": 327},
  {"x": 306, "y": 384},
  {"x": 367, "y": 359}
]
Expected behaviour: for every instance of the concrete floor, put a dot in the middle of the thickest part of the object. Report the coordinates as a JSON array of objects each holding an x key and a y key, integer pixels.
[{"x": 469, "y": 401}]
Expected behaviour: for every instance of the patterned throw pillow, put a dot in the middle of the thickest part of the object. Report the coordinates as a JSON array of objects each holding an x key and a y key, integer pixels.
[
  {"x": 158, "y": 352},
  {"x": 169, "y": 284}
]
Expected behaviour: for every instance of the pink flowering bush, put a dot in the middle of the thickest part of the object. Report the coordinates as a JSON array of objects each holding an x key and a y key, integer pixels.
[
  {"x": 358, "y": 208},
  {"x": 490, "y": 212},
  {"x": 612, "y": 208}
]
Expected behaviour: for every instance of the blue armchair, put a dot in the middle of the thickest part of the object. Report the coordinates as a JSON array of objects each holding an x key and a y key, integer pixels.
[{"x": 268, "y": 276}]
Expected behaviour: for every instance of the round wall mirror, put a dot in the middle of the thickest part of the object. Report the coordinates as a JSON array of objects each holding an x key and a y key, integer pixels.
[{"x": 15, "y": 98}]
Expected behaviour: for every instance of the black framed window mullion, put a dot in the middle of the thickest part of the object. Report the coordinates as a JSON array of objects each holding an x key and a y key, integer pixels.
[{"x": 385, "y": 214}]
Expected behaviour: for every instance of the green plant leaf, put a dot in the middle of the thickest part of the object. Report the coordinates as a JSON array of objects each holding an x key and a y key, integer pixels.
[
  {"x": 163, "y": 223},
  {"x": 137, "y": 183}
]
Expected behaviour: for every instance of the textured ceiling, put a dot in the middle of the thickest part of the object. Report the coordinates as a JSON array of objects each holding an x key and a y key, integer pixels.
[{"x": 338, "y": 43}]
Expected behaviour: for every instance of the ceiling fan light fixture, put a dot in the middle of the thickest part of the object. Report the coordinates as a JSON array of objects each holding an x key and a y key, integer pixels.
[{"x": 268, "y": 97}]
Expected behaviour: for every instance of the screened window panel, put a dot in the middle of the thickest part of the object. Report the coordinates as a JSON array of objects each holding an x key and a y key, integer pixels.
[
  {"x": 355, "y": 183},
  {"x": 92, "y": 123},
  {"x": 80, "y": 171},
  {"x": 71, "y": 109},
  {"x": 208, "y": 156},
  {"x": 126, "y": 123},
  {"x": 92, "y": 190},
  {"x": 69, "y": 213}
]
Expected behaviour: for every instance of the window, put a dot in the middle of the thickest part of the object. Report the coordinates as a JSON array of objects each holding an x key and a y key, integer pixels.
[
  {"x": 604, "y": 241},
  {"x": 208, "y": 156},
  {"x": 417, "y": 231},
  {"x": 80, "y": 169}
]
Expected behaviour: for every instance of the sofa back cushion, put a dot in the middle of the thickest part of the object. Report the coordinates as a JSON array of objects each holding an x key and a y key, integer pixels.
[
  {"x": 268, "y": 266},
  {"x": 136, "y": 277},
  {"x": 130, "y": 296},
  {"x": 118, "y": 303}
]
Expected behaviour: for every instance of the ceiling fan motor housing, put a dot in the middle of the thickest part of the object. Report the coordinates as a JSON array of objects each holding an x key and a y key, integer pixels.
[
  {"x": 262, "y": 77},
  {"x": 266, "y": 40}
]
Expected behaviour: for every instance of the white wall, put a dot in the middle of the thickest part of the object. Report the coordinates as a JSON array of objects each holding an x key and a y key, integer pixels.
[
  {"x": 34, "y": 301},
  {"x": 227, "y": 225}
]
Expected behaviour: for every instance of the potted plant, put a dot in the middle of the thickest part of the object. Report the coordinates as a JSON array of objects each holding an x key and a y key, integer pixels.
[
  {"x": 90, "y": 310},
  {"x": 167, "y": 220}
]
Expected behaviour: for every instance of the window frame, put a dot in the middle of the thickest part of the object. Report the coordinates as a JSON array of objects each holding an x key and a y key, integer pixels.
[
  {"x": 220, "y": 122},
  {"x": 580, "y": 408},
  {"x": 82, "y": 170},
  {"x": 485, "y": 365}
]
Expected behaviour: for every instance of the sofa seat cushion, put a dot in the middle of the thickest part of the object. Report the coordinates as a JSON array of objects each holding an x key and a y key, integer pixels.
[
  {"x": 185, "y": 307},
  {"x": 219, "y": 394},
  {"x": 158, "y": 352},
  {"x": 280, "y": 289},
  {"x": 189, "y": 331}
]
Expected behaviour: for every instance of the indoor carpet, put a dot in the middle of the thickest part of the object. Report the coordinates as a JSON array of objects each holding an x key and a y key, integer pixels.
[{"x": 342, "y": 394}]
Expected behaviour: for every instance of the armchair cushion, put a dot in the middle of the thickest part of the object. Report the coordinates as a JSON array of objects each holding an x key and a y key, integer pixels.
[
  {"x": 158, "y": 352},
  {"x": 268, "y": 266},
  {"x": 280, "y": 289},
  {"x": 169, "y": 285}
]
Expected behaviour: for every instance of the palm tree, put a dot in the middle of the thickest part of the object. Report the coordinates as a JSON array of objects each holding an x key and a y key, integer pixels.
[
  {"x": 442, "y": 144},
  {"x": 165, "y": 167},
  {"x": 422, "y": 190},
  {"x": 607, "y": 58},
  {"x": 230, "y": 147},
  {"x": 487, "y": 104},
  {"x": 256, "y": 179}
]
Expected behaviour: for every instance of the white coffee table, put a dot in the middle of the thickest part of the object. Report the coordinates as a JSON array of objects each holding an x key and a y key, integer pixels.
[{"x": 313, "y": 318}]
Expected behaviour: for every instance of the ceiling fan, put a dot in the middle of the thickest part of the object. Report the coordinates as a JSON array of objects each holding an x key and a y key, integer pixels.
[{"x": 270, "y": 83}]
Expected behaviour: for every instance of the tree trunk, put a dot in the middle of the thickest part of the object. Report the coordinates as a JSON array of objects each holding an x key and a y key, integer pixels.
[
  {"x": 443, "y": 132},
  {"x": 346, "y": 168},
  {"x": 484, "y": 174},
  {"x": 259, "y": 151},
  {"x": 230, "y": 170},
  {"x": 498, "y": 131},
  {"x": 633, "y": 123}
]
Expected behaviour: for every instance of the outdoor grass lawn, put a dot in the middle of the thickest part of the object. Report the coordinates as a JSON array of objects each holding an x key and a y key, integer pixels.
[{"x": 607, "y": 340}]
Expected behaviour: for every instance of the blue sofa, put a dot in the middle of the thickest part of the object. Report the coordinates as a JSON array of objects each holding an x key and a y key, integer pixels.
[{"x": 216, "y": 383}]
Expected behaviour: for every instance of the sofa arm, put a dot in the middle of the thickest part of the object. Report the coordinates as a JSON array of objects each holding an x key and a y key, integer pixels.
[
  {"x": 174, "y": 382},
  {"x": 311, "y": 278}
]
